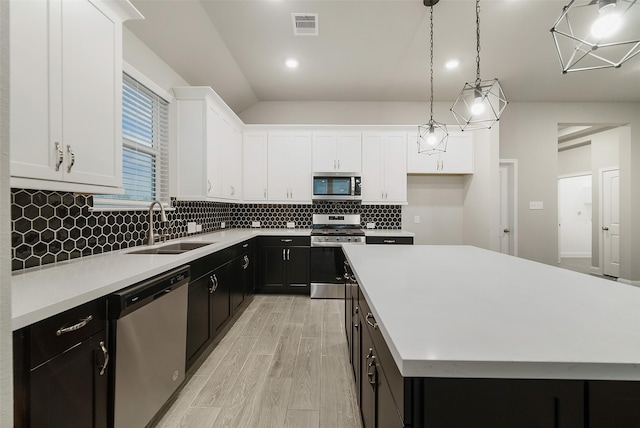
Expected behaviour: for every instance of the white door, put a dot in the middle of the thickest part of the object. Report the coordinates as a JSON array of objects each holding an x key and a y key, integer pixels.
[
  {"x": 372, "y": 168},
  {"x": 349, "y": 152},
  {"x": 324, "y": 152},
  {"x": 611, "y": 222},
  {"x": 507, "y": 210},
  {"x": 255, "y": 166},
  {"x": 395, "y": 168},
  {"x": 278, "y": 167},
  {"x": 299, "y": 163}
]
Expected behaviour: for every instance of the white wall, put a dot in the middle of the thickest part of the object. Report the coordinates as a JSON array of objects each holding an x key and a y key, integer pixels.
[
  {"x": 575, "y": 215},
  {"x": 575, "y": 160},
  {"x": 6, "y": 372},
  {"x": 438, "y": 200}
]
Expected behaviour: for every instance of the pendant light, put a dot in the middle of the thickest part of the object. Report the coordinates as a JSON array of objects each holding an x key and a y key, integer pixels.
[
  {"x": 595, "y": 34},
  {"x": 481, "y": 103},
  {"x": 432, "y": 136}
]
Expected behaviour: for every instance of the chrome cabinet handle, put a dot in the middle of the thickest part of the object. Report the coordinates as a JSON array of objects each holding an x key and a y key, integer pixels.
[
  {"x": 371, "y": 371},
  {"x": 288, "y": 254},
  {"x": 334, "y": 164},
  {"x": 357, "y": 310},
  {"x": 72, "y": 158},
  {"x": 284, "y": 254},
  {"x": 507, "y": 230},
  {"x": 370, "y": 354},
  {"x": 265, "y": 193},
  {"x": 208, "y": 186},
  {"x": 370, "y": 315},
  {"x": 605, "y": 228},
  {"x": 286, "y": 240},
  {"x": 338, "y": 163},
  {"x": 105, "y": 353},
  {"x": 246, "y": 262},
  {"x": 60, "y": 156},
  {"x": 214, "y": 283},
  {"x": 245, "y": 245},
  {"x": 389, "y": 241},
  {"x": 74, "y": 327}
]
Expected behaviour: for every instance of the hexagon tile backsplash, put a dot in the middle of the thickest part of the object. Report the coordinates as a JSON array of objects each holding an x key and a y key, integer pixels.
[{"x": 49, "y": 227}]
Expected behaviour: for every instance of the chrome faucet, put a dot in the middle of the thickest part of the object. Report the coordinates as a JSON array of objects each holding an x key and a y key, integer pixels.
[{"x": 151, "y": 237}]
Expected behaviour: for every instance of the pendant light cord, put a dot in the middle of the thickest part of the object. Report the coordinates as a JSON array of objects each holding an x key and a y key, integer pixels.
[
  {"x": 478, "y": 43},
  {"x": 431, "y": 62}
]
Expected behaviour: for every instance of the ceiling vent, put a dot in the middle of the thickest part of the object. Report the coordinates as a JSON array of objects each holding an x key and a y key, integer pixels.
[{"x": 305, "y": 24}]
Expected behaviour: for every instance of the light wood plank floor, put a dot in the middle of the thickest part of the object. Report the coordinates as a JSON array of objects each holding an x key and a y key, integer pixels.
[{"x": 284, "y": 363}]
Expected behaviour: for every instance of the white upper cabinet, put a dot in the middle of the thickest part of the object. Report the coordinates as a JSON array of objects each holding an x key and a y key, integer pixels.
[
  {"x": 289, "y": 166},
  {"x": 384, "y": 167},
  {"x": 255, "y": 167},
  {"x": 66, "y": 94},
  {"x": 337, "y": 152},
  {"x": 458, "y": 159},
  {"x": 209, "y": 146}
]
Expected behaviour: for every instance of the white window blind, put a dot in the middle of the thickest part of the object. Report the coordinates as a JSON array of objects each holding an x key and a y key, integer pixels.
[{"x": 145, "y": 143}]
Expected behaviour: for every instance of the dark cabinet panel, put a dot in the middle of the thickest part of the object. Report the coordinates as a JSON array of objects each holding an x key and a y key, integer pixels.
[
  {"x": 68, "y": 390},
  {"x": 298, "y": 259},
  {"x": 391, "y": 240},
  {"x": 502, "y": 403},
  {"x": 198, "y": 322},
  {"x": 367, "y": 387},
  {"x": 614, "y": 404},
  {"x": 220, "y": 290},
  {"x": 273, "y": 267}
]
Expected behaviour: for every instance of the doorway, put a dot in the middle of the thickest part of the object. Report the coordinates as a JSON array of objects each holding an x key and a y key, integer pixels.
[{"x": 585, "y": 153}]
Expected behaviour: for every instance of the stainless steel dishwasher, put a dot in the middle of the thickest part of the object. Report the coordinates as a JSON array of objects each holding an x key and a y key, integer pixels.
[{"x": 149, "y": 329}]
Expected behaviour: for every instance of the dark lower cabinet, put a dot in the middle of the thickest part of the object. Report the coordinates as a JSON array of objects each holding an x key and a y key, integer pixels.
[
  {"x": 61, "y": 370},
  {"x": 284, "y": 265},
  {"x": 220, "y": 284}
]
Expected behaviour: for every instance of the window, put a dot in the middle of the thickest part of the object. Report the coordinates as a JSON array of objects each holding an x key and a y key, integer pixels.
[{"x": 145, "y": 142}]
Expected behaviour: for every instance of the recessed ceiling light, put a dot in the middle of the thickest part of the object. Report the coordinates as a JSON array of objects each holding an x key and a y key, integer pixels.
[
  {"x": 451, "y": 64},
  {"x": 292, "y": 63}
]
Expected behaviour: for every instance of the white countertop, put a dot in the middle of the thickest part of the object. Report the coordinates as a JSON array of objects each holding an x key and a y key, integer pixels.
[
  {"x": 39, "y": 293},
  {"x": 460, "y": 311}
]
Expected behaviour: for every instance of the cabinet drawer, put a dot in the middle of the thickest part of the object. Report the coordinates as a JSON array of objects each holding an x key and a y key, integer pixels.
[
  {"x": 391, "y": 240},
  {"x": 387, "y": 363},
  {"x": 285, "y": 241},
  {"x": 58, "y": 333}
]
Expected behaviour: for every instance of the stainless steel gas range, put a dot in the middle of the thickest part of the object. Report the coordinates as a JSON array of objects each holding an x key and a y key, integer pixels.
[{"x": 330, "y": 232}]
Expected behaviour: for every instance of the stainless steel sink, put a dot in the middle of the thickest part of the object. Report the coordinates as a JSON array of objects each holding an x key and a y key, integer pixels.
[{"x": 176, "y": 248}]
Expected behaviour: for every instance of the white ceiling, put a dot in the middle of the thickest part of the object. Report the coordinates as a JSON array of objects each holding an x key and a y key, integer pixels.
[{"x": 370, "y": 50}]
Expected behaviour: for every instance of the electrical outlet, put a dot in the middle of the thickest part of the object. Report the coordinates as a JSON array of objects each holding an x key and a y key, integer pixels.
[
  {"x": 255, "y": 224},
  {"x": 536, "y": 205},
  {"x": 371, "y": 225},
  {"x": 416, "y": 219},
  {"x": 223, "y": 225},
  {"x": 291, "y": 224},
  {"x": 191, "y": 227},
  {"x": 198, "y": 228}
]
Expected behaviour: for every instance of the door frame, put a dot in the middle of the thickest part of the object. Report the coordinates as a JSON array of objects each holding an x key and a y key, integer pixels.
[
  {"x": 601, "y": 172},
  {"x": 512, "y": 168}
]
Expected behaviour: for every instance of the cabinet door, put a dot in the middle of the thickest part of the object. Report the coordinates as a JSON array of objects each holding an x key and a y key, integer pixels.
[
  {"x": 198, "y": 322},
  {"x": 278, "y": 167},
  {"x": 273, "y": 267},
  {"x": 213, "y": 151},
  {"x": 300, "y": 167},
  {"x": 459, "y": 156},
  {"x": 255, "y": 167},
  {"x": 614, "y": 404},
  {"x": 91, "y": 88},
  {"x": 68, "y": 390},
  {"x": 420, "y": 163},
  {"x": 237, "y": 283},
  {"x": 298, "y": 261},
  {"x": 395, "y": 168},
  {"x": 220, "y": 297},
  {"x": 387, "y": 415},
  {"x": 230, "y": 161},
  {"x": 33, "y": 151},
  {"x": 349, "y": 152},
  {"x": 367, "y": 380},
  {"x": 503, "y": 403},
  {"x": 372, "y": 168},
  {"x": 249, "y": 273},
  {"x": 324, "y": 152}
]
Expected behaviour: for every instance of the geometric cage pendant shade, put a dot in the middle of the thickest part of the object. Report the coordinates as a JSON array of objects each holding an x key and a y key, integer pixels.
[
  {"x": 595, "y": 34},
  {"x": 479, "y": 105}
]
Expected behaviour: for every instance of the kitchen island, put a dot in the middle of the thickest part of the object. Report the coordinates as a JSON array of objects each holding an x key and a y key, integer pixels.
[{"x": 478, "y": 338}]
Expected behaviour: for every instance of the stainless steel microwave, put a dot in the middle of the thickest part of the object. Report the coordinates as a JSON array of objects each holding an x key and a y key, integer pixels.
[{"x": 337, "y": 187}]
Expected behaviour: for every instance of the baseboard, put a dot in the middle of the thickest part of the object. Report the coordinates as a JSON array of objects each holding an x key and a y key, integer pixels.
[
  {"x": 571, "y": 255},
  {"x": 595, "y": 270},
  {"x": 629, "y": 282}
]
